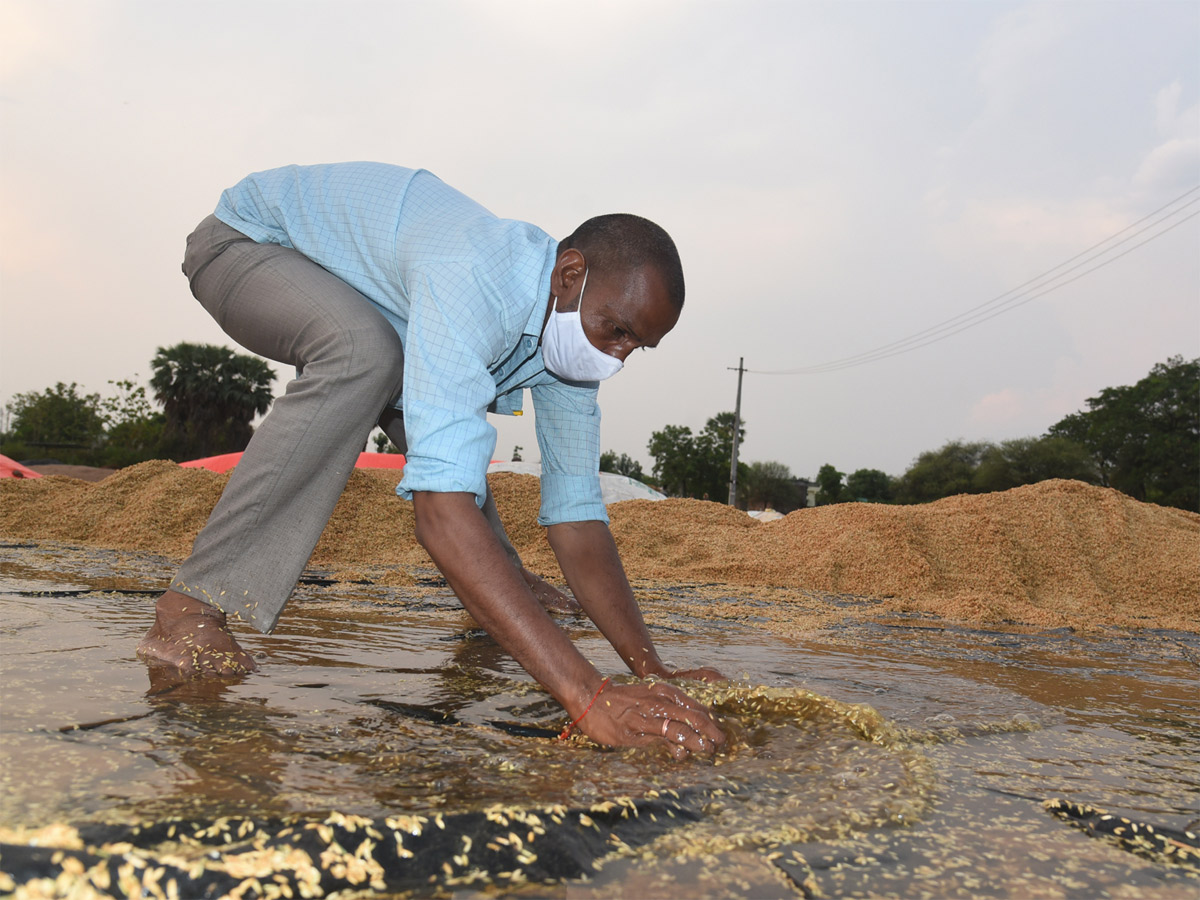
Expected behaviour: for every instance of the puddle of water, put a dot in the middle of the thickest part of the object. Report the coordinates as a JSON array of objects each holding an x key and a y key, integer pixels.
[{"x": 382, "y": 702}]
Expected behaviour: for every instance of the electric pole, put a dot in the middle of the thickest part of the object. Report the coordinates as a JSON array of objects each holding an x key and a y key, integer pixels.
[{"x": 737, "y": 427}]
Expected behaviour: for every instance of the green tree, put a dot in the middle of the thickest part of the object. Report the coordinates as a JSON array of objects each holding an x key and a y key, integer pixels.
[
  {"x": 695, "y": 465},
  {"x": 129, "y": 404},
  {"x": 829, "y": 485},
  {"x": 621, "y": 465},
  {"x": 134, "y": 426},
  {"x": 383, "y": 444},
  {"x": 870, "y": 485},
  {"x": 59, "y": 422},
  {"x": 210, "y": 395},
  {"x": 714, "y": 453},
  {"x": 768, "y": 485},
  {"x": 942, "y": 473},
  {"x": 1030, "y": 460},
  {"x": 1145, "y": 438},
  {"x": 673, "y": 450}
]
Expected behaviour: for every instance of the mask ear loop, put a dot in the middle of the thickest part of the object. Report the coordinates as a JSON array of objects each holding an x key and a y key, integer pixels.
[
  {"x": 582, "y": 288},
  {"x": 554, "y": 308}
]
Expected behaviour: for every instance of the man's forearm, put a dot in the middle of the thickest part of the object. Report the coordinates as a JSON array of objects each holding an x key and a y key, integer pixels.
[
  {"x": 588, "y": 557},
  {"x": 456, "y": 535}
]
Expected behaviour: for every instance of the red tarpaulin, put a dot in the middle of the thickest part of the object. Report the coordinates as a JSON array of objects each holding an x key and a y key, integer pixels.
[
  {"x": 10, "y": 468},
  {"x": 227, "y": 461}
]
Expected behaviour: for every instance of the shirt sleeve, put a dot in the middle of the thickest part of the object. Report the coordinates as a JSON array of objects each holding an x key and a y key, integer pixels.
[
  {"x": 447, "y": 389},
  {"x": 567, "y": 422}
]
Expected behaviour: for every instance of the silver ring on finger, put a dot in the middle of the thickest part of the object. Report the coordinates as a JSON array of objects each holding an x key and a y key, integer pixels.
[{"x": 666, "y": 725}]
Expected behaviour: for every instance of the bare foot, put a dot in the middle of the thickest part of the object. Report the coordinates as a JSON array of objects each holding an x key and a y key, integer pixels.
[
  {"x": 193, "y": 637},
  {"x": 548, "y": 595}
]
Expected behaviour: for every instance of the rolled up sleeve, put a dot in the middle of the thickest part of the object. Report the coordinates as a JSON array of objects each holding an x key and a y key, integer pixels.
[{"x": 567, "y": 421}]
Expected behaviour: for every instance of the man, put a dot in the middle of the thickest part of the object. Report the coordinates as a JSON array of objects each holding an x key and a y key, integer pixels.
[{"x": 402, "y": 302}]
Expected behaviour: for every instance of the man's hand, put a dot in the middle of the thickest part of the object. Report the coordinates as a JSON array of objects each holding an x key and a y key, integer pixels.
[
  {"x": 638, "y": 715},
  {"x": 701, "y": 673},
  {"x": 548, "y": 595},
  {"x": 460, "y": 541}
]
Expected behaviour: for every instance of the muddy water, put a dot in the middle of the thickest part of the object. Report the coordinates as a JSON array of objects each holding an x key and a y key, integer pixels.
[{"x": 382, "y": 702}]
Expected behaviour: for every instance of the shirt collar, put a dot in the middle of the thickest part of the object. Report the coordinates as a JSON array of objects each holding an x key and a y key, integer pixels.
[{"x": 537, "y": 317}]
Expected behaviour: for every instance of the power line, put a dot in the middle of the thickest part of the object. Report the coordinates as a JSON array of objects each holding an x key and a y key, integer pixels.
[
  {"x": 947, "y": 330},
  {"x": 1089, "y": 260}
]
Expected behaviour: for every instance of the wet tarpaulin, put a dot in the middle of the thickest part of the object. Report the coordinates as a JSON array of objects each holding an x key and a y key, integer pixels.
[
  {"x": 506, "y": 847},
  {"x": 244, "y": 857},
  {"x": 1167, "y": 846},
  {"x": 499, "y": 845}
]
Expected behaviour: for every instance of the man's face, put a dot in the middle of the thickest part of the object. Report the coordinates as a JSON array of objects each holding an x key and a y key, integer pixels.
[{"x": 622, "y": 311}]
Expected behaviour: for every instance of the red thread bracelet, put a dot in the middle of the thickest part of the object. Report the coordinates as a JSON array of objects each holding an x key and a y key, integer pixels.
[{"x": 566, "y": 732}]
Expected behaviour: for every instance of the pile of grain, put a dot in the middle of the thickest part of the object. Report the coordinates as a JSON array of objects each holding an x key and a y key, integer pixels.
[
  {"x": 155, "y": 506},
  {"x": 160, "y": 507},
  {"x": 1055, "y": 553},
  {"x": 1050, "y": 554}
]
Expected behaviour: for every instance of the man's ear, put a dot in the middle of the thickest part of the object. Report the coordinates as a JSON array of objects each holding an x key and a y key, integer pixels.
[{"x": 568, "y": 270}]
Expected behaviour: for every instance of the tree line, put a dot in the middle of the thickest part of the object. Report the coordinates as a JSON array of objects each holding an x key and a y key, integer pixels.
[
  {"x": 698, "y": 465},
  {"x": 207, "y": 395},
  {"x": 1141, "y": 439}
]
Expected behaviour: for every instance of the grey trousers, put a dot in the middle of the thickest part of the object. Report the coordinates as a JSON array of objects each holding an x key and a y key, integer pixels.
[{"x": 279, "y": 304}]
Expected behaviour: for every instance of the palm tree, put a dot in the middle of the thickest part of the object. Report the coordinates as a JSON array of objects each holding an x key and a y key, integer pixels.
[{"x": 210, "y": 395}]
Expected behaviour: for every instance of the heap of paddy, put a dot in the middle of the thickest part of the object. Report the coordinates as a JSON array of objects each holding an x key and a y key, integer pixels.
[{"x": 1054, "y": 554}]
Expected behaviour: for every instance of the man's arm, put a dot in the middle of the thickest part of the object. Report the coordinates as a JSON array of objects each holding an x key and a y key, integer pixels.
[
  {"x": 547, "y": 594},
  {"x": 568, "y": 434},
  {"x": 456, "y": 535},
  {"x": 589, "y": 559}
]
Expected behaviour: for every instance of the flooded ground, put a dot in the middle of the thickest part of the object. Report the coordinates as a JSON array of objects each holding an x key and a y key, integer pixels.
[{"x": 389, "y": 704}]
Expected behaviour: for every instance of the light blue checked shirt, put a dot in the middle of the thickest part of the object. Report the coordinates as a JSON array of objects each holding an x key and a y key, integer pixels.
[{"x": 467, "y": 293}]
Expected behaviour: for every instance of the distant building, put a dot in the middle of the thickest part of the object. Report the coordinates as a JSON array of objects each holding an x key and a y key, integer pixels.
[{"x": 808, "y": 492}]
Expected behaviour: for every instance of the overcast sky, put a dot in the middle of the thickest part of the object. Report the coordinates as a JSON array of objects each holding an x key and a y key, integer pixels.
[{"x": 838, "y": 176}]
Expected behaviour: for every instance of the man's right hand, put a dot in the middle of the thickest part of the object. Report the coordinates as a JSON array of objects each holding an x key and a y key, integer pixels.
[
  {"x": 458, "y": 538},
  {"x": 637, "y": 715}
]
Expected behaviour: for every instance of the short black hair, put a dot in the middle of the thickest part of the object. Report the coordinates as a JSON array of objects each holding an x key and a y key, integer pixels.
[{"x": 622, "y": 242}]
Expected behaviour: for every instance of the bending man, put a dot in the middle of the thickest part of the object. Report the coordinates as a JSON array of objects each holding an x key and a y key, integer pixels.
[{"x": 402, "y": 302}]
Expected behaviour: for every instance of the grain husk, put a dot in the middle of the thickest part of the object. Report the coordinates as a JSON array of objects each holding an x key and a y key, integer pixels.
[{"x": 1057, "y": 553}]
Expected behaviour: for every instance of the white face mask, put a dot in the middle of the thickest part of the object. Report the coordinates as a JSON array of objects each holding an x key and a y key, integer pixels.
[{"x": 568, "y": 353}]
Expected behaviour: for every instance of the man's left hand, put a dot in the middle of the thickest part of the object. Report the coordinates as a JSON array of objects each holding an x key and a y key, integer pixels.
[
  {"x": 548, "y": 595},
  {"x": 703, "y": 673}
]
